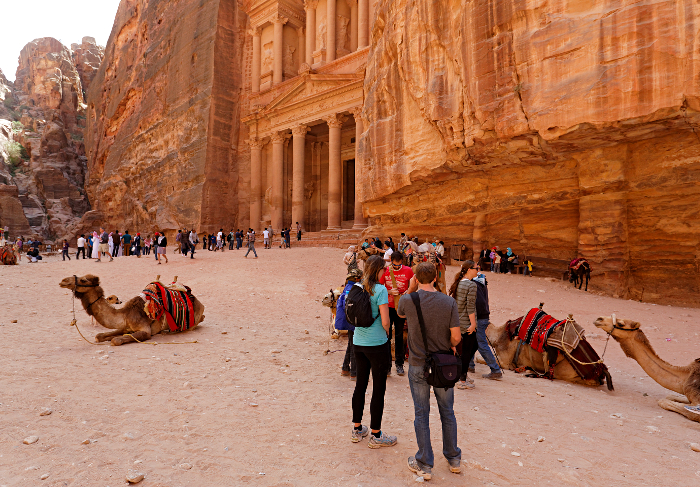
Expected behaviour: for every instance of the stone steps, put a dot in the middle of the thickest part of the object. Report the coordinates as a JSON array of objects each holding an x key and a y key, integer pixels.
[{"x": 341, "y": 239}]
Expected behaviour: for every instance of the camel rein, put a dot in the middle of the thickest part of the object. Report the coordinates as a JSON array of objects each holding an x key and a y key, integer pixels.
[
  {"x": 74, "y": 322},
  {"x": 569, "y": 320}
]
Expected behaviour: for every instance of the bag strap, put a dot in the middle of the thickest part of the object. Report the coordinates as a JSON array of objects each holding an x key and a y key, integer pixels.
[{"x": 416, "y": 302}]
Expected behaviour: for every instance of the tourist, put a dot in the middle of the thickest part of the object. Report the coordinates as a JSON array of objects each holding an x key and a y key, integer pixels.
[
  {"x": 527, "y": 270},
  {"x": 110, "y": 243},
  {"x": 230, "y": 239},
  {"x": 442, "y": 326},
  {"x": 194, "y": 240},
  {"x": 350, "y": 259},
  {"x": 349, "y": 366},
  {"x": 365, "y": 244},
  {"x": 239, "y": 239},
  {"x": 137, "y": 245},
  {"x": 251, "y": 243},
  {"x": 65, "y": 250},
  {"x": 220, "y": 240},
  {"x": 403, "y": 242},
  {"x": 440, "y": 249},
  {"x": 162, "y": 247},
  {"x": 81, "y": 247},
  {"x": 496, "y": 262},
  {"x": 266, "y": 238},
  {"x": 511, "y": 261},
  {"x": 402, "y": 275},
  {"x": 463, "y": 290},
  {"x": 484, "y": 257},
  {"x": 373, "y": 354},
  {"x": 184, "y": 242},
  {"x": 298, "y": 232},
  {"x": 104, "y": 246},
  {"x": 126, "y": 244},
  {"x": 147, "y": 246},
  {"x": 389, "y": 251},
  {"x": 88, "y": 244},
  {"x": 95, "y": 245},
  {"x": 155, "y": 245},
  {"x": 482, "y": 322},
  {"x": 178, "y": 239}
]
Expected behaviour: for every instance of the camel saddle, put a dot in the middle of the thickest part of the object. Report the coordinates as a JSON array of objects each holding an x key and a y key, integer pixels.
[
  {"x": 174, "y": 301},
  {"x": 576, "y": 263},
  {"x": 5, "y": 253}
]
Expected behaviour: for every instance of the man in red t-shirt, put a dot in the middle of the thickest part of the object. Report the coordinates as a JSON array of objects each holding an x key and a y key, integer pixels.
[{"x": 402, "y": 275}]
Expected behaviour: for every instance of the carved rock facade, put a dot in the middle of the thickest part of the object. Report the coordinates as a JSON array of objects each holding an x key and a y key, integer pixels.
[{"x": 557, "y": 129}]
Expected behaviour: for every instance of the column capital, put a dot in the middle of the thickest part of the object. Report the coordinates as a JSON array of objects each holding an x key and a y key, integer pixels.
[
  {"x": 301, "y": 31},
  {"x": 256, "y": 143},
  {"x": 300, "y": 130},
  {"x": 336, "y": 120},
  {"x": 310, "y": 4},
  {"x": 278, "y": 19},
  {"x": 255, "y": 31},
  {"x": 351, "y": 3},
  {"x": 356, "y": 112},
  {"x": 278, "y": 137}
]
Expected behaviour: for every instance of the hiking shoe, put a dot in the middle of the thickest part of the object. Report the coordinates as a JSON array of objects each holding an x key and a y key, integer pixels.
[
  {"x": 399, "y": 370},
  {"x": 463, "y": 384},
  {"x": 693, "y": 409},
  {"x": 344, "y": 372},
  {"x": 493, "y": 376},
  {"x": 353, "y": 376},
  {"x": 415, "y": 467},
  {"x": 455, "y": 465},
  {"x": 383, "y": 440},
  {"x": 357, "y": 435}
]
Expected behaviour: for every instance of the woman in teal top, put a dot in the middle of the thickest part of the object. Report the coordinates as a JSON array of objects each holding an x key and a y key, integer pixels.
[{"x": 372, "y": 354}]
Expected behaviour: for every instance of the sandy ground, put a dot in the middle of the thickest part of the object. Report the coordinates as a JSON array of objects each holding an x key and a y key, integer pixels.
[{"x": 256, "y": 402}]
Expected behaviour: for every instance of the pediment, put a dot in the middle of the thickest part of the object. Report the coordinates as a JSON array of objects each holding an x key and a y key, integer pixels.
[{"x": 312, "y": 87}]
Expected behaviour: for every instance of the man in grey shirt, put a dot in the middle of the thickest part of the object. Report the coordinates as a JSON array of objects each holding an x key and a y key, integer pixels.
[{"x": 441, "y": 318}]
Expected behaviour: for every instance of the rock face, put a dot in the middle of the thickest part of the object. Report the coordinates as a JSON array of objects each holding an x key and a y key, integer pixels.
[
  {"x": 161, "y": 124},
  {"x": 559, "y": 129},
  {"x": 47, "y": 99},
  {"x": 87, "y": 58}
]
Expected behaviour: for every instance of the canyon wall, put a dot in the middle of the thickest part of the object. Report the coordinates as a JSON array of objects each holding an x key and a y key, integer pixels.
[
  {"x": 559, "y": 128},
  {"x": 163, "y": 112},
  {"x": 44, "y": 115}
]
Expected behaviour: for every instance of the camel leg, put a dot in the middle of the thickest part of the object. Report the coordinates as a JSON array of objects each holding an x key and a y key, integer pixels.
[
  {"x": 141, "y": 336},
  {"x": 674, "y": 404},
  {"x": 103, "y": 337},
  {"x": 587, "y": 279}
]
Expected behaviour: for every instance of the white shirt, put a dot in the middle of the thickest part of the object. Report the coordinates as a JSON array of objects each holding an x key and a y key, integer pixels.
[
  {"x": 266, "y": 234},
  {"x": 81, "y": 242},
  {"x": 387, "y": 254}
]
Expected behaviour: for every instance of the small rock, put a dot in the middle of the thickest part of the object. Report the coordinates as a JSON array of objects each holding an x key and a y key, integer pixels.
[
  {"x": 86, "y": 442},
  {"x": 540, "y": 394},
  {"x": 515, "y": 453},
  {"x": 520, "y": 464},
  {"x": 224, "y": 332},
  {"x": 44, "y": 477},
  {"x": 560, "y": 459},
  {"x": 254, "y": 404},
  {"x": 653, "y": 429},
  {"x": 616, "y": 416},
  {"x": 13, "y": 321},
  {"x": 476, "y": 408},
  {"x": 275, "y": 351},
  {"x": 305, "y": 331},
  {"x": 540, "y": 439},
  {"x": 695, "y": 447},
  {"x": 186, "y": 384},
  {"x": 30, "y": 439},
  {"x": 134, "y": 477},
  {"x": 228, "y": 359},
  {"x": 185, "y": 466},
  {"x": 420, "y": 479},
  {"x": 620, "y": 423},
  {"x": 46, "y": 412}
]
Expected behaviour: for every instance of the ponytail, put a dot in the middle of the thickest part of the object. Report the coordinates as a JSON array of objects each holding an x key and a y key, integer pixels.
[{"x": 466, "y": 265}]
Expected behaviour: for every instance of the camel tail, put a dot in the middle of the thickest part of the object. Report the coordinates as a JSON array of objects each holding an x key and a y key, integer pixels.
[{"x": 608, "y": 379}]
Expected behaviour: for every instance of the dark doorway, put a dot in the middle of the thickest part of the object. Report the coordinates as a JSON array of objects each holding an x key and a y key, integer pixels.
[{"x": 349, "y": 190}]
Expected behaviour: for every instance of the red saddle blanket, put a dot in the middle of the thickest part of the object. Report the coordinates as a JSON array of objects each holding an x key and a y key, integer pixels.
[
  {"x": 536, "y": 327},
  {"x": 576, "y": 263},
  {"x": 176, "y": 305}
]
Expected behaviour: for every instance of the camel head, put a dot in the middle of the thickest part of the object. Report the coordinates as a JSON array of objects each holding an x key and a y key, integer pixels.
[
  {"x": 80, "y": 284},
  {"x": 615, "y": 326},
  {"x": 331, "y": 298}
]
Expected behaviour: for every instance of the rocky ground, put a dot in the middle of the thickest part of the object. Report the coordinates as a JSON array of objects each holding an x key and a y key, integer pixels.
[{"x": 256, "y": 401}]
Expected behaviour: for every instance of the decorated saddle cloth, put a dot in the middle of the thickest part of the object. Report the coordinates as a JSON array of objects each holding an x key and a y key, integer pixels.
[
  {"x": 576, "y": 263},
  {"x": 175, "y": 302},
  {"x": 536, "y": 328}
]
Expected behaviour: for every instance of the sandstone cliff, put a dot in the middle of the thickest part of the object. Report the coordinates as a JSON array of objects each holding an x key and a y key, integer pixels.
[
  {"x": 560, "y": 129},
  {"x": 47, "y": 104},
  {"x": 163, "y": 119}
]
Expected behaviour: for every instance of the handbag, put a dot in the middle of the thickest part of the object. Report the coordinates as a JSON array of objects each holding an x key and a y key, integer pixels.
[{"x": 442, "y": 368}]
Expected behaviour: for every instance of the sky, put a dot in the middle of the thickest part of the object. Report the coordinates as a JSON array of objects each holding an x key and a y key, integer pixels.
[{"x": 66, "y": 20}]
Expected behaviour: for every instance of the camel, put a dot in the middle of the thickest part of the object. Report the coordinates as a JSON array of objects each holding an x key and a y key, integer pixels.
[
  {"x": 441, "y": 285},
  {"x": 128, "y": 323},
  {"x": 578, "y": 270},
  {"x": 683, "y": 380},
  {"x": 505, "y": 349},
  {"x": 7, "y": 256}
]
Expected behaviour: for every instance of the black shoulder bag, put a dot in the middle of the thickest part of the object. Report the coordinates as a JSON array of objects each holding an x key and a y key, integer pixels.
[{"x": 442, "y": 368}]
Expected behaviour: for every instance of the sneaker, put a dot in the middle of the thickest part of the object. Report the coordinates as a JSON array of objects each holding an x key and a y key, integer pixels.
[
  {"x": 357, "y": 435},
  {"x": 463, "y": 384},
  {"x": 455, "y": 465},
  {"x": 344, "y": 372},
  {"x": 693, "y": 409},
  {"x": 383, "y": 440},
  {"x": 399, "y": 370},
  {"x": 493, "y": 376},
  {"x": 353, "y": 376},
  {"x": 415, "y": 467}
]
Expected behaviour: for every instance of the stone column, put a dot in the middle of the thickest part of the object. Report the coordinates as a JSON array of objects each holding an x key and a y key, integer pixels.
[
  {"x": 301, "y": 41},
  {"x": 277, "y": 169},
  {"x": 362, "y": 24},
  {"x": 335, "y": 171},
  {"x": 278, "y": 53},
  {"x": 331, "y": 21},
  {"x": 310, "y": 7},
  {"x": 256, "y": 146},
  {"x": 353, "y": 24},
  {"x": 360, "y": 220},
  {"x": 256, "y": 60},
  {"x": 299, "y": 133}
]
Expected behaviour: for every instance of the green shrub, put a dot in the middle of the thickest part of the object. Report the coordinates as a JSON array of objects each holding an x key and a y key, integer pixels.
[
  {"x": 24, "y": 107},
  {"x": 9, "y": 102},
  {"x": 17, "y": 152},
  {"x": 76, "y": 137},
  {"x": 17, "y": 127}
]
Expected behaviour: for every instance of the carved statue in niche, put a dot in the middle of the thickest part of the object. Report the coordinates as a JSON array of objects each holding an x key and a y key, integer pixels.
[
  {"x": 289, "y": 60},
  {"x": 321, "y": 33},
  {"x": 309, "y": 189},
  {"x": 268, "y": 196},
  {"x": 341, "y": 37},
  {"x": 267, "y": 57}
]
